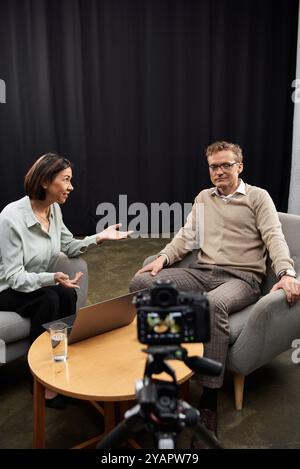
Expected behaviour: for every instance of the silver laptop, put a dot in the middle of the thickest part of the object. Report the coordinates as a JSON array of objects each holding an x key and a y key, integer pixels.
[{"x": 99, "y": 318}]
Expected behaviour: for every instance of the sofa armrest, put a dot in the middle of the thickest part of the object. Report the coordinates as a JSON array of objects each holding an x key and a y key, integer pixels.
[{"x": 148, "y": 260}]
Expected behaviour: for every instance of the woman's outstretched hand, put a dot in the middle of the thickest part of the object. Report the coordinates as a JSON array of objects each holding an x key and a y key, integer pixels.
[
  {"x": 65, "y": 281},
  {"x": 113, "y": 233}
]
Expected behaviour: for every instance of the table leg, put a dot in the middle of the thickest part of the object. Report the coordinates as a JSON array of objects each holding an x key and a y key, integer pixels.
[
  {"x": 124, "y": 406},
  {"x": 184, "y": 391},
  {"x": 107, "y": 409},
  {"x": 109, "y": 416},
  {"x": 39, "y": 415}
]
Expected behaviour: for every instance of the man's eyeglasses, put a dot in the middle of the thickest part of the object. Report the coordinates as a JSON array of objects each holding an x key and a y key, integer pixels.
[{"x": 224, "y": 166}]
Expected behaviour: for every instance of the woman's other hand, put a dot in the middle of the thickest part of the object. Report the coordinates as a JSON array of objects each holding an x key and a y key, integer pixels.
[{"x": 65, "y": 281}]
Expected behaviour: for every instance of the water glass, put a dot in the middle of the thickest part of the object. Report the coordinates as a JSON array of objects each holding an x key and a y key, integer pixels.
[{"x": 59, "y": 341}]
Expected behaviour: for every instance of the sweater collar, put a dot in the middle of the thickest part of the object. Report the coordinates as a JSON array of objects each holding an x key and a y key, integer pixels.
[{"x": 240, "y": 190}]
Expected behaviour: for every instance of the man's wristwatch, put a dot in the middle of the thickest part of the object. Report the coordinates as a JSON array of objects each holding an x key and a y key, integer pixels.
[
  {"x": 289, "y": 272},
  {"x": 166, "y": 258}
]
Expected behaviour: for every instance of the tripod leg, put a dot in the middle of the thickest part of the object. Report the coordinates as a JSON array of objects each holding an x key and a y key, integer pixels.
[
  {"x": 133, "y": 423},
  {"x": 124, "y": 406}
]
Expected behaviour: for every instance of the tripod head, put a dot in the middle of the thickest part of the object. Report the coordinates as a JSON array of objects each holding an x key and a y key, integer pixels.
[{"x": 159, "y": 409}]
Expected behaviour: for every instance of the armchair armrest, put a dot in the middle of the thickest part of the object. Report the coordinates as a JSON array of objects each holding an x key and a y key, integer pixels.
[
  {"x": 70, "y": 266},
  {"x": 271, "y": 326}
]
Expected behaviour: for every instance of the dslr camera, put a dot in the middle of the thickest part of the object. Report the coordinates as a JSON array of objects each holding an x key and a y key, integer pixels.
[{"x": 167, "y": 316}]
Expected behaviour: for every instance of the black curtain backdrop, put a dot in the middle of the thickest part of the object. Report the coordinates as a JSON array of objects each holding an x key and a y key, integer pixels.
[{"x": 132, "y": 91}]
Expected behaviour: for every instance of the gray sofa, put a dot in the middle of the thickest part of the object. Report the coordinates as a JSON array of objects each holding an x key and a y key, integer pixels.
[
  {"x": 261, "y": 331},
  {"x": 14, "y": 330}
]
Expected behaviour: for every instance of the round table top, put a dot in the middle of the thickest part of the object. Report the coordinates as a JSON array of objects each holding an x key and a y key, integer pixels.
[{"x": 102, "y": 368}]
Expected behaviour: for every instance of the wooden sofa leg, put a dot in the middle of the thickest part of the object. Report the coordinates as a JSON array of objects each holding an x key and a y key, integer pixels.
[{"x": 239, "y": 381}]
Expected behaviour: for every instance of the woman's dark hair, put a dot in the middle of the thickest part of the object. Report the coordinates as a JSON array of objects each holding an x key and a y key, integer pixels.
[{"x": 44, "y": 170}]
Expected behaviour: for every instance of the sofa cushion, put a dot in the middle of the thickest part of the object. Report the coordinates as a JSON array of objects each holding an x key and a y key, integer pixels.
[{"x": 13, "y": 327}]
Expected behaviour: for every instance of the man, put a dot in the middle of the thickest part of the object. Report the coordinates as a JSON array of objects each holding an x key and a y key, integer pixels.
[{"x": 240, "y": 224}]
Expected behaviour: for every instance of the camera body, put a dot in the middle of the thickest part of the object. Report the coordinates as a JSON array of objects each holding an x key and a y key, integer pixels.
[{"x": 168, "y": 316}]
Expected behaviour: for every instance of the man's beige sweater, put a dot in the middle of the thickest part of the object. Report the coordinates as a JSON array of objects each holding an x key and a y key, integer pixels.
[{"x": 236, "y": 233}]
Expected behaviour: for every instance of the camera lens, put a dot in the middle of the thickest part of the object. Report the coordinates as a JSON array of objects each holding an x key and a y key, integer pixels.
[
  {"x": 167, "y": 402},
  {"x": 164, "y": 298}
]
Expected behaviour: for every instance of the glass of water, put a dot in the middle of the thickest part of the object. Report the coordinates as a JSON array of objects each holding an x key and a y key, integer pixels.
[{"x": 59, "y": 341}]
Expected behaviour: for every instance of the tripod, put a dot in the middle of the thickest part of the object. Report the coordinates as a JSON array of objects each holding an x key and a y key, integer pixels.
[{"x": 158, "y": 408}]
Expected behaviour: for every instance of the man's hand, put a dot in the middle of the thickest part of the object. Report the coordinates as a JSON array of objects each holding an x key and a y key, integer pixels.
[
  {"x": 113, "y": 233},
  {"x": 291, "y": 287},
  {"x": 65, "y": 281},
  {"x": 154, "y": 267}
]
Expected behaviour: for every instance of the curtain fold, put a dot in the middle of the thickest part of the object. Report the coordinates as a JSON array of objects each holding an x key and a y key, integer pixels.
[{"x": 133, "y": 91}]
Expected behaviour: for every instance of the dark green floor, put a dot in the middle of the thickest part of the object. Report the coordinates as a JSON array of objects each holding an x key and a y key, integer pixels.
[{"x": 270, "y": 418}]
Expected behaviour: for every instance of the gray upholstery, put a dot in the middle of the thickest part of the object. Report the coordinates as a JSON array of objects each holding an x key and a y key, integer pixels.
[
  {"x": 265, "y": 329},
  {"x": 14, "y": 330}
]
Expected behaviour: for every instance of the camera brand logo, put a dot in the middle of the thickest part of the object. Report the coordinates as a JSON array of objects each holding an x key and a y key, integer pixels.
[
  {"x": 296, "y": 93},
  {"x": 296, "y": 353},
  {"x": 161, "y": 217},
  {"x": 2, "y": 92}
]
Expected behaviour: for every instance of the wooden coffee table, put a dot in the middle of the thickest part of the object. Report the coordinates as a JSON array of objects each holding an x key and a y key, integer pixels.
[{"x": 103, "y": 368}]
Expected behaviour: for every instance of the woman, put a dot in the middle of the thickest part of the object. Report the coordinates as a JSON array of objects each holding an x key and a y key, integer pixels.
[{"x": 32, "y": 235}]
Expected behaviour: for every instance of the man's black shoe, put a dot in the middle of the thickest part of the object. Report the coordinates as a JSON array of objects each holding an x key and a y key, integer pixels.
[{"x": 209, "y": 419}]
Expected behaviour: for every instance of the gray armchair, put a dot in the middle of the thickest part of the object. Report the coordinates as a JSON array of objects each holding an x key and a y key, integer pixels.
[
  {"x": 263, "y": 330},
  {"x": 14, "y": 330}
]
